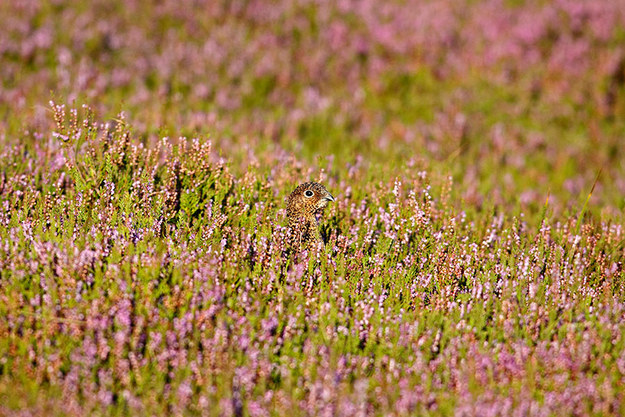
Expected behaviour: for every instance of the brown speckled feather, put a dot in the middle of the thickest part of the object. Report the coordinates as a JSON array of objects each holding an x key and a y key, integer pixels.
[{"x": 302, "y": 205}]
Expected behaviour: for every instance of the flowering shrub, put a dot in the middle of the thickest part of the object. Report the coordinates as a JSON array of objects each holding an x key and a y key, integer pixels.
[
  {"x": 472, "y": 262},
  {"x": 153, "y": 280}
]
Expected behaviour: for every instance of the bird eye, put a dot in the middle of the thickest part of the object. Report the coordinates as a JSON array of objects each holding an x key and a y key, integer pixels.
[{"x": 309, "y": 193}]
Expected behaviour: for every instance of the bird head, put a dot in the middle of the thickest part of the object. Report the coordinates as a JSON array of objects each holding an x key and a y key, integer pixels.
[{"x": 306, "y": 200}]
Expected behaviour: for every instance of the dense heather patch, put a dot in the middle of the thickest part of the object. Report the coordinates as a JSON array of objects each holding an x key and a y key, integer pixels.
[
  {"x": 472, "y": 262},
  {"x": 143, "y": 280},
  {"x": 533, "y": 90}
]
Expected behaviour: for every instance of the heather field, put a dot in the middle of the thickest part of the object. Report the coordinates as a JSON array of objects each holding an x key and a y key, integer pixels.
[{"x": 471, "y": 265}]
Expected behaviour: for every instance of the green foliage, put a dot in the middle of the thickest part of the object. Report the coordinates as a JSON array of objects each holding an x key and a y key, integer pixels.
[{"x": 472, "y": 262}]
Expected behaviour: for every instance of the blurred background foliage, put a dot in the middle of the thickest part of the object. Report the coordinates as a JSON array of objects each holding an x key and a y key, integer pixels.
[{"x": 518, "y": 100}]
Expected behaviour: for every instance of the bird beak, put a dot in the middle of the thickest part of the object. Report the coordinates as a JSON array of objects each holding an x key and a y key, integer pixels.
[{"x": 329, "y": 197}]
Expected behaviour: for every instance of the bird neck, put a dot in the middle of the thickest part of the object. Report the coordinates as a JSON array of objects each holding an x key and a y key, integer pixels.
[{"x": 306, "y": 230}]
